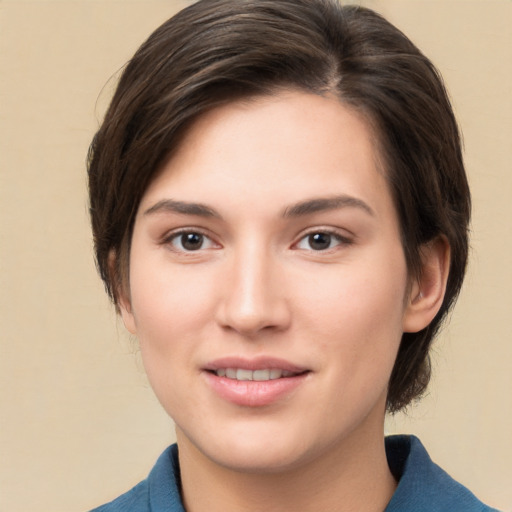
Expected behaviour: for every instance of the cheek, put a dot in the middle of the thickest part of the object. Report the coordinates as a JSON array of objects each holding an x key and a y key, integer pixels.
[
  {"x": 358, "y": 311},
  {"x": 170, "y": 313},
  {"x": 166, "y": 300}
]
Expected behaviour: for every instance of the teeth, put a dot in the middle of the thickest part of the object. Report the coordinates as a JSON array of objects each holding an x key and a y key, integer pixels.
[
  {"x": 243, "y": 375},
  {"x": 275, "y": 374},
  {"x": 259, "y": 375},
  {"x": 231, "y": 373}
]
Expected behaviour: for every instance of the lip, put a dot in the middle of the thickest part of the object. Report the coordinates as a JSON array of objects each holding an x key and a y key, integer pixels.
[
  {"x": 254, "y": 393},
  {"x": 257, "y": 363}
]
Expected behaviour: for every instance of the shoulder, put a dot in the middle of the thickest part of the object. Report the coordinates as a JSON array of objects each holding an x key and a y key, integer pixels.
[
  {"x": 422, "y": 485},
  {"x": 135, "y": 500},
  {"x": 159, "y": 492}
]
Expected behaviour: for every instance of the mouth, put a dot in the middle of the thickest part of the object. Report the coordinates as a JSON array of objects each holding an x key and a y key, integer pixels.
[
  {"x": 260, "y": 375},
  {"x": 256, "y": 382}
]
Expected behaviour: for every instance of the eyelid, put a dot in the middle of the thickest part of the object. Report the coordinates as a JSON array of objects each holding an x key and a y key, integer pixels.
[
  {"x": 343, "y": 238},
  {"x": 175, "y": 233}
]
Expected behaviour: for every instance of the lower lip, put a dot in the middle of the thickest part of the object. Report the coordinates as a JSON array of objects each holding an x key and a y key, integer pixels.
[{"x": 253, "y": 393}]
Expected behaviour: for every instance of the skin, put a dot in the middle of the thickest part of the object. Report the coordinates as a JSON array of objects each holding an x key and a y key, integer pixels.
[{"x": 256, "y": 285}]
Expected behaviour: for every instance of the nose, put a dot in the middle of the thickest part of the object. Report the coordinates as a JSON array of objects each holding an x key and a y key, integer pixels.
[{"x": 253, "y": 300}]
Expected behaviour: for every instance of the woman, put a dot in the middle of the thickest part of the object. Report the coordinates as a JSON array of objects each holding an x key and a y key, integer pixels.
[{"x": 280, "y": 213}]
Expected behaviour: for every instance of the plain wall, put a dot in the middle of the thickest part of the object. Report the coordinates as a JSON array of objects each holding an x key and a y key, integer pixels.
[{"x": 79, "y": 423}]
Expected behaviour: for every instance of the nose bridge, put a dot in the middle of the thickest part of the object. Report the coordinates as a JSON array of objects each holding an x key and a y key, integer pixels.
[{"x": 254, "y": 298}]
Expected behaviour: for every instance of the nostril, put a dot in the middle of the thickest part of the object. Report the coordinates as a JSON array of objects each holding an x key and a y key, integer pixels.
[{"x": 252, "y": 300}]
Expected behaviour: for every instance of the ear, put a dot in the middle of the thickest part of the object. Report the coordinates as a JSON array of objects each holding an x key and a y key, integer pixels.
[
  {"x": 125, "y": 308},
  {"x": 427, "y": 291},
  {"x": 122, "y": 294}
]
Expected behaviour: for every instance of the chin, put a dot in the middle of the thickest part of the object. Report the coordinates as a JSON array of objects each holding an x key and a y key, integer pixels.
[
  {"x": 255, "y": 460},
  {"x": 256, "y": 451}
]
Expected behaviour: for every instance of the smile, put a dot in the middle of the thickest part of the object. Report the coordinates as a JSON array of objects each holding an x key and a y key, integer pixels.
[
  {"x": 257, "y": 375},
  {"x": 256, "y": 382}
]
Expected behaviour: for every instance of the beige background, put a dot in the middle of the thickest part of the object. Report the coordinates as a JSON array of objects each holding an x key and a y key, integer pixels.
[{"x": 79, "y": 424}]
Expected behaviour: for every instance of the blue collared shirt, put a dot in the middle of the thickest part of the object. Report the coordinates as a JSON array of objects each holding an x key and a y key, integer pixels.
[{"x": 422, "y": 485}]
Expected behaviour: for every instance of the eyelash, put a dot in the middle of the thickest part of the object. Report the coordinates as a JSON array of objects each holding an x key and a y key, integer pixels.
[
  {"x": 176, "y": 235},
  {"x": 331, "y": 234}
]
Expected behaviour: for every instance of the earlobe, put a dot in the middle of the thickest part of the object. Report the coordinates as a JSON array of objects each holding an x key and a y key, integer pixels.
[
  {"x": 427, "y": 291},
  {"x": 123, "y": 301},
  {"x": 125, "y": 309}
]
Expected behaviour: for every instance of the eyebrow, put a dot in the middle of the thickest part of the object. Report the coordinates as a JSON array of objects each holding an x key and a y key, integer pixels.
[
  {"x": 302, "y": 208},
  {"x": 328, "y": 203},
  {"x": 186, "y": 208}
]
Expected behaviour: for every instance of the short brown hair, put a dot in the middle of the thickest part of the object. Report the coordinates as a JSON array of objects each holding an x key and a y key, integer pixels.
[{"x": 216, "y": 51}]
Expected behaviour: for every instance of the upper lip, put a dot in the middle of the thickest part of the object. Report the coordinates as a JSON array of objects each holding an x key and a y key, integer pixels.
[{"x": 257, "y": 363}]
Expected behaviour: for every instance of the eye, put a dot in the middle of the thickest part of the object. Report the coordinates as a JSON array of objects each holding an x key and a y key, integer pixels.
[
  {"x": 189, "y": 241},
  {"x": 321, "y": 241}
]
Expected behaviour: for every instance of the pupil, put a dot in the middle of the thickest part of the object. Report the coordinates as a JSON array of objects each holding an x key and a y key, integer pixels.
[
  {"x": 319, "y": 241},
  {"x": 192, "y": 241}
]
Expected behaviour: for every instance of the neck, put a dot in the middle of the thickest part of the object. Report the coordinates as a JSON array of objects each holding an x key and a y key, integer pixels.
[{"x": 353, "y": 476}]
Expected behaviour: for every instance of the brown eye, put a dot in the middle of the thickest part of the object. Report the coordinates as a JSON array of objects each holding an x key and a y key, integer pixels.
[
  {"x": 192, "y": 241},
  {"x": 322, "y": 241},
  {"x": 189, "y": 241},
  {"x": 319, "y": 241}
]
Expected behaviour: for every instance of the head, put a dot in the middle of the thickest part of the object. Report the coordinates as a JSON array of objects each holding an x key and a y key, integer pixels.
[{"x": 216, "y": 52}]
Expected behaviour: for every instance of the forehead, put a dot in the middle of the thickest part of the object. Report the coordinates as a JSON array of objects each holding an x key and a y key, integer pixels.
[{"x": 292, "y": 144}]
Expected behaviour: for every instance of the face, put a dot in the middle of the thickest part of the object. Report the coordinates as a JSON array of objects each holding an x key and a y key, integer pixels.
[{"x": 268, "y": 283}]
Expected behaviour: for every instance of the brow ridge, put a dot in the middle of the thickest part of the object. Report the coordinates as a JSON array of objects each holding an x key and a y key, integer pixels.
[
  {"x": 301, "y": 208},
  {"x": 183, "y": 207},
  {"x": 315, "y": 205}
]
